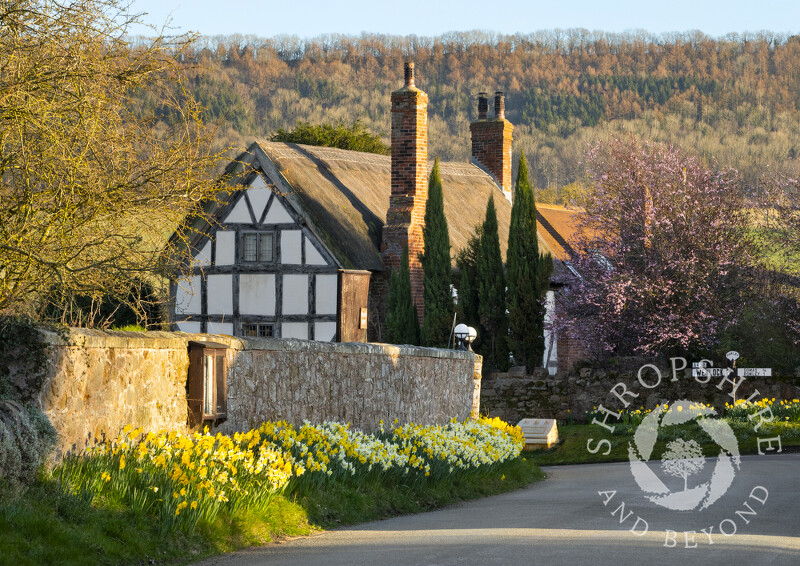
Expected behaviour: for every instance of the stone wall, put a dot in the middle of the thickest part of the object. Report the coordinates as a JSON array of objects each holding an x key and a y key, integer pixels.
[
  {"x": 100, "y": 381},
  {"x": 357, "y": 383},
  {"x": 569, "y": 395}
]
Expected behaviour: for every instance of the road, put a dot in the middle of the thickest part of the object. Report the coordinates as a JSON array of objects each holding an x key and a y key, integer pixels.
[{"x": 563, "y": 521}]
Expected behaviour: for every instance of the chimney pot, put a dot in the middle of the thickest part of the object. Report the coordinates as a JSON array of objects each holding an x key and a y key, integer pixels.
[
  {"x": 483, "y": 105},
  {"x": 499, "y": 104},
  {"x": 491, "y": 141},
  {"x": 408, "y": 71}
]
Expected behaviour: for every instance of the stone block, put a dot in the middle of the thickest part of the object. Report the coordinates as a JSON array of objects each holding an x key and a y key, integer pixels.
[
  {"x": 540, "y": 373},
  {"x": 539, "y": 433}
]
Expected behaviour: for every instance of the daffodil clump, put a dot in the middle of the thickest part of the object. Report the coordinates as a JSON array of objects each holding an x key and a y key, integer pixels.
[
  {"x": 741, "y": 411},
  {"x": 332, "y": 451},
  {"x": 183, "y": 479},
  {"x": 632, "y": 418},
  {"x": 782, "y": 411},
  {"x": 457, "y": 447}
]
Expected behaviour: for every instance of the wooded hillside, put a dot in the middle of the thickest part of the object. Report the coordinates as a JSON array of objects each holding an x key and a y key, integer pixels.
[{"x": 734, "y": 99}]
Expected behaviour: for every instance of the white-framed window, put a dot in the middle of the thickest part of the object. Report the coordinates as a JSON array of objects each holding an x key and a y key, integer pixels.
[
  {"x": 257, "y": 247},
  {"x": 257, "y": 330}
]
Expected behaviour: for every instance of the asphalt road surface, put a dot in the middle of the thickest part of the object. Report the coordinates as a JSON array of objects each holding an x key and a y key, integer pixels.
[{"x": 565, "y": 521}]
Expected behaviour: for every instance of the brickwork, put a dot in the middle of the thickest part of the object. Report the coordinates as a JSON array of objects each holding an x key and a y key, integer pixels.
[
  {"x": 570, "y": 351},
  {"x": 491, "y": 141},
  {"x": 571, "y": 348},
  {"x": 409, "y": 195}
]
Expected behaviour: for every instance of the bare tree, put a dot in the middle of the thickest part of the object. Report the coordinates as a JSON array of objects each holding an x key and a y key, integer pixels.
[{"x": 89, "y": 186}]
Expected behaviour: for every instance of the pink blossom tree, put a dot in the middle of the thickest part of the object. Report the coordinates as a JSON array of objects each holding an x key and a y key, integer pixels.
[{"x": 664, "y": 251}]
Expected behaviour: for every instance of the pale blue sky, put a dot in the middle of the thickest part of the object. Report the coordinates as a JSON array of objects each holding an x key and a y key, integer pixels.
[{"x": 308, "y": 18}]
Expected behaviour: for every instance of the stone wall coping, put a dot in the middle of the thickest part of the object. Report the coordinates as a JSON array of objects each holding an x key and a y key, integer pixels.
[
  {"x": 160, "y": 340},
  {"x": 116, "y": 339}
]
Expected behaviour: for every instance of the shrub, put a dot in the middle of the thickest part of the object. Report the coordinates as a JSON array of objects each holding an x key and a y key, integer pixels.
[
  {"x": 353, "y": 136},
  {"x": 26, "y": 439}
]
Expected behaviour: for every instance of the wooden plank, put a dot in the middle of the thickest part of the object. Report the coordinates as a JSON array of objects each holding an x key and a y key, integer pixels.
[{"x": 353, "y": 296}]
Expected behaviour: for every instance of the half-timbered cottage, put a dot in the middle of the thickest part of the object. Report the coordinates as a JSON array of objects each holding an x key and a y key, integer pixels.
[
  {"x": 300, "y": 242},
  {"x": 301, "y": 245}
]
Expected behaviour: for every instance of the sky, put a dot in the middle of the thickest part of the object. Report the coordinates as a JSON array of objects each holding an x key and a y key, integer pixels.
[{"x": 310, "y": 18}]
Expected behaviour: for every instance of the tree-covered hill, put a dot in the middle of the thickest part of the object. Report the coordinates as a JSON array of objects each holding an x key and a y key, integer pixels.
[{"x": 735, "y": 99}]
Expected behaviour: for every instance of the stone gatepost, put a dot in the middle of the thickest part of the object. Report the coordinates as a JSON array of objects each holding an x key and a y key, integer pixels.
[{"x": 476, "y": 387}]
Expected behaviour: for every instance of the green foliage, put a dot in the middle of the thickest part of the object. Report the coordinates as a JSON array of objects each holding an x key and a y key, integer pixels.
[
  {"x": 220, "y": 103},
  {"x": 548, "y": 105},
  {"x": 354, "y": 137},
  {"x": 344, "y": 503},
  {"x": 525, "y": 284},
  {"x": 437, "y": 267},
  {"x": 322, "y": 90},
  {"x": 544, "y": 271},
  {"x": 760, "y": 337},
  {"x": 46, "y": 526},
  {"x": 467, "y": 261},
  {"x": 568, "y": 111},
  {"x": 491, "y": 287},
  {"x": 402, "y": 324}
]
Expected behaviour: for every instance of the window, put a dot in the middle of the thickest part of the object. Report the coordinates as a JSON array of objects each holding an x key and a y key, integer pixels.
[
  {"x": 257, "y": 330},
  {"x": 209, "y": 383},
  {"x": 257, "y": 247}
]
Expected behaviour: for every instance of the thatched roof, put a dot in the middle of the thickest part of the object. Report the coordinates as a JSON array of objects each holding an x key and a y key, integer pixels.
[
  {"x": 557, "y": 228},
  {"x": 344, "y": 196}
]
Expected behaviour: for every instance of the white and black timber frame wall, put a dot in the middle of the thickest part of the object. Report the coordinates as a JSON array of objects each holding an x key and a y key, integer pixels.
[{"x": 290, "y": 291}]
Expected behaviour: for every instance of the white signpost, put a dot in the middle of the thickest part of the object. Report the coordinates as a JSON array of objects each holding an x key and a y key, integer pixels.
[
  {"x": 702, "y": 369},
  {"x": 754, "y": 372},
  {"x": 711, "y": 372}
]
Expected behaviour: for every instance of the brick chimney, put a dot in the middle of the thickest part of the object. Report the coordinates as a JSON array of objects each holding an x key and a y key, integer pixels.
[
  {"x": 406, "y": 215},
  {"x": 491, "y": 141}
]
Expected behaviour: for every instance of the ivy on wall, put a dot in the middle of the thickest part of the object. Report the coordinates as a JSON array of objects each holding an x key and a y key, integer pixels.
[{"x": 24, "y": 362}]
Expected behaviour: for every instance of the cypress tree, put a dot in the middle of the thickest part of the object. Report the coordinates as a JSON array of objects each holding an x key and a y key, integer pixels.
[
  {"x": 402, "y": 324},
  {"x": 467, "y": 303},
  {"x": 467, "y": 261},
  {"x": 437, "y": 267},
  {"x": 491, "y": 288},
  {"x": 524, "y": 270}
]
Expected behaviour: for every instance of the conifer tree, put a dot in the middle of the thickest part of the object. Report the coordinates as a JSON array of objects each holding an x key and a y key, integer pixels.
[
  {"x": 467, "y": 261},
  {"x": 402, "y": 324},
  {"x": 525, "y": 280},
  {"x": 437, "y": 268},
  {"x": 491, "y": 287}
]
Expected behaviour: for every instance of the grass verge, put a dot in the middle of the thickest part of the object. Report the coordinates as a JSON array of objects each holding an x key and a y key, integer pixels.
[
  {"x": 574, "y": 439},
  {"x": 45, "y": 526}
]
